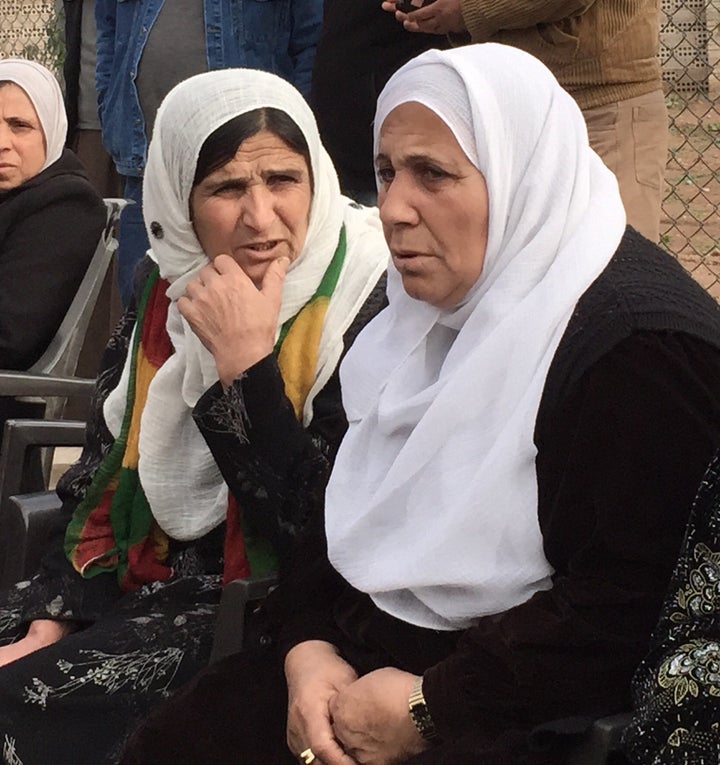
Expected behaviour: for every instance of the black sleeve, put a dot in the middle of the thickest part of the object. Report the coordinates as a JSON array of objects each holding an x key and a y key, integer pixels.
[
  {"x": 43, "y": 259},
  {"x": 618, "y": 466},
  {"x": 276, "y": 469}
]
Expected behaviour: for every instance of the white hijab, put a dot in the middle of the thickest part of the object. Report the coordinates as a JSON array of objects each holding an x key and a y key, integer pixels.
[
  {"x": 432, "y": 503},
  {"x": 182, "y": 483},
  {"x": 44, "y": 92}
]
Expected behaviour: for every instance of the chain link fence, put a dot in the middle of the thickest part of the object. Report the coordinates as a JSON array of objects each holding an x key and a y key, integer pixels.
[
  {"x": 690, "y": 56},
  {"x": 31, "y": 29}
]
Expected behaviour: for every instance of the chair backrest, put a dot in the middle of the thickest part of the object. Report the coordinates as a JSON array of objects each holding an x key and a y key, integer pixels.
[{"x": 61, "y": 356}]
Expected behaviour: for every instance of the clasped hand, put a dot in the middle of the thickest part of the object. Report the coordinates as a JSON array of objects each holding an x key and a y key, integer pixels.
[
  {"x": 344, "y": 719},
  {"x": 235, "y": 320}
]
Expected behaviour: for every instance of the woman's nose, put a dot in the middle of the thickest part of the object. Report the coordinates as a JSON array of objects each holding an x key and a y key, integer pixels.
[
  {"x": 5, "y": 135},
  {"x": 396, "y": 202},
  {"x": 258, "y": 210}
]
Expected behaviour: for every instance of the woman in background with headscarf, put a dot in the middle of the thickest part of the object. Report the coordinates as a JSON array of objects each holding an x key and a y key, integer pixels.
[
  {"x": 50, "y": 216},
  {"x": 529, "y": 420},
  {"x": 217, "y": 416}
]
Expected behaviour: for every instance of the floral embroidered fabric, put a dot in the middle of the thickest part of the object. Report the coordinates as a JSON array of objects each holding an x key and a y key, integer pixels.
[{"x": 677, "y": 687}]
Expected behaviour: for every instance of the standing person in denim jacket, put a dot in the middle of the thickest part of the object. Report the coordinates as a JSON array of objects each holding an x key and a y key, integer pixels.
[{"x": 145, "y": 47}]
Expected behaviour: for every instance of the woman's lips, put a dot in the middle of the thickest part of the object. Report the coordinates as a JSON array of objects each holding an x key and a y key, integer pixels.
[
  {"x": 406, "y": 255},
  {"x": 261, "y": 251}
]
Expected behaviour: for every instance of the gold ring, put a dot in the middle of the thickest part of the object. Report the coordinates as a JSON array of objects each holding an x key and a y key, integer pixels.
[{"x": 307, "y": 756}]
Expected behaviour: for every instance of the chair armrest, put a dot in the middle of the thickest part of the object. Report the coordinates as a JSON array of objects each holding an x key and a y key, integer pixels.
[
  {"x": 36, "y": 384},
  {"x": 230, "y": 625},
  {"x": 19, "y": 436},
  {"x": 600, "y": 745},
  {"x": 27, "y": 521},
  {"x": 17, "y": 517}
]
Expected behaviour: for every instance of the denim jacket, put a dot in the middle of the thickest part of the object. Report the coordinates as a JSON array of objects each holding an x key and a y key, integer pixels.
[{"x": 276, "y": 35}]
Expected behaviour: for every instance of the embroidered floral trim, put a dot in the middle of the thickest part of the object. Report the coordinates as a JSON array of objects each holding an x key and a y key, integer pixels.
[
  {"x": 694, "y": 667},
  {"x": 139, "y": 670},
  {"x": 227, "y": 413},
  {"x": 695, "y": 739},
  {"x": 700, "y": 596},
  {"x": 9, "y": 754}
]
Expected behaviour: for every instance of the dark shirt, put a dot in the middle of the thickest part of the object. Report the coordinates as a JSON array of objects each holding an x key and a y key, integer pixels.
[
  {"x": 360, "y": 47},
  {"x": 49, "y": 229}
]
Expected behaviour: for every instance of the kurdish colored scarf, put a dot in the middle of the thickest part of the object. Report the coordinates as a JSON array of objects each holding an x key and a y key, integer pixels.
[{"x": 113, "y": 528}]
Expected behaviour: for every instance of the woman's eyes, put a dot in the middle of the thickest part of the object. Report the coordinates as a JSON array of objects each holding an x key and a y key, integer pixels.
[
  {"x": 237, "y": 188},
  {"x": 385, "y": 174},
  {"x": 431, "y": 173},
  {"x": 280, "y": 179},
  {"x": 424, "y": 173},
  {"x": 230, "y": 190},
  {"x": 20, "y": 125}
]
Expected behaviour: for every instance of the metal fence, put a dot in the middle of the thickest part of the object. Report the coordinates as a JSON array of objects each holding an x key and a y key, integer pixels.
[
  {"x": 690, "y": 56},
  {"x": 31, "y": 29}
]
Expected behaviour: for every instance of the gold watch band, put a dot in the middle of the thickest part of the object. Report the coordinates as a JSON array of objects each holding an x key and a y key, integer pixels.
[{"x": 420, "y": 714}]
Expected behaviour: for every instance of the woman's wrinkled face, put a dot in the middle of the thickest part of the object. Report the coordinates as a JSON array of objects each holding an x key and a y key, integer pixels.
[
  {"x": 256, "y": 207},
  {"x": 22, "y": 141},
  {"x": 433, "y": 205}
]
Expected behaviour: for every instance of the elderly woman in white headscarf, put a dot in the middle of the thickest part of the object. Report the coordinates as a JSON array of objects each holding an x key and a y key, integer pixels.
[
  {"x": 529, "y": 419},
  {"x": 217, "y": 416},
  {"x": 50, "y": 217}
]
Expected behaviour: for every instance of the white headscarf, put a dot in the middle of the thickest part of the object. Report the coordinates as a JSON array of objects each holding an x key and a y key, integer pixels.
[
  {"x": 182, "y": 483},
  {"x": 432, "y": 503},
  {"x": 44, "y": 92}
]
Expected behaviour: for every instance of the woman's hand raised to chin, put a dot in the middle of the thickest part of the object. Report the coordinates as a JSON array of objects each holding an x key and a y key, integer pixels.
[
  {"x": 41, "y": 633},
  {"x": 234, "y": 319}
]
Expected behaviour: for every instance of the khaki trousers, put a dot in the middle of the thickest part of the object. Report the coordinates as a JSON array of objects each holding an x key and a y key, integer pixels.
[{"x": 631, "y": 137}]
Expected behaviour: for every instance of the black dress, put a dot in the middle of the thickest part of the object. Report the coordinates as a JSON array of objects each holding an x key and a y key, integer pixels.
[
  {"x": 629, "y": 419},
  {"x": 74, "y": 702}
]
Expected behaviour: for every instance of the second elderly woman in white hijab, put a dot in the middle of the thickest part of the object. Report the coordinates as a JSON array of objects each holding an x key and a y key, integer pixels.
[
  {"x": 50, "y": 217},
  {"x": 529, "y": 420},
  {"x": 217, "y": 416}
]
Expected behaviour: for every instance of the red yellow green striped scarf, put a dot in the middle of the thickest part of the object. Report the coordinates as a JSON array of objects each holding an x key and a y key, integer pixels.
[{"x": 112, "y": 528}]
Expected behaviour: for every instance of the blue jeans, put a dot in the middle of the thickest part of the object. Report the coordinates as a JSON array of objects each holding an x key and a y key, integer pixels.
[{"x": 133, "y": 240}]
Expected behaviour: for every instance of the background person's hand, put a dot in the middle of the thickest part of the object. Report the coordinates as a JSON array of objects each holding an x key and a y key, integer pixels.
[
  {"x": 315, "y": 673},
  {"x": 439, "y": 18},
  {"x": 372, "y": 721},
  {"x": 41, "y": 633},
  {"x": 234, "y": 319}
]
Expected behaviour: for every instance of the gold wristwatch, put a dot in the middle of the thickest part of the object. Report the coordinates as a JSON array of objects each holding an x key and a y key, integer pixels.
[{"x": 420, "y": 714}]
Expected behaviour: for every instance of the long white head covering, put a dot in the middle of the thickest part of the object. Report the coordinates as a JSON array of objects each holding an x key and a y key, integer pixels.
[
  {"x": 432, "y": 503},
  {"x": 183, "y": 485},
  {"x": 44, "y": 92}
]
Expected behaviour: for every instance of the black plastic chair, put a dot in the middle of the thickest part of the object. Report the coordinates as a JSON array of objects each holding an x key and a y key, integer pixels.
[
  {"x": 50, "y": 380},
  {"x": 26, "y": 511}
]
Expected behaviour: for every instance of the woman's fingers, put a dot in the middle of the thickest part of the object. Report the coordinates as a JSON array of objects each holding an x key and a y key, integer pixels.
[{"x": 273, "y": 280}]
